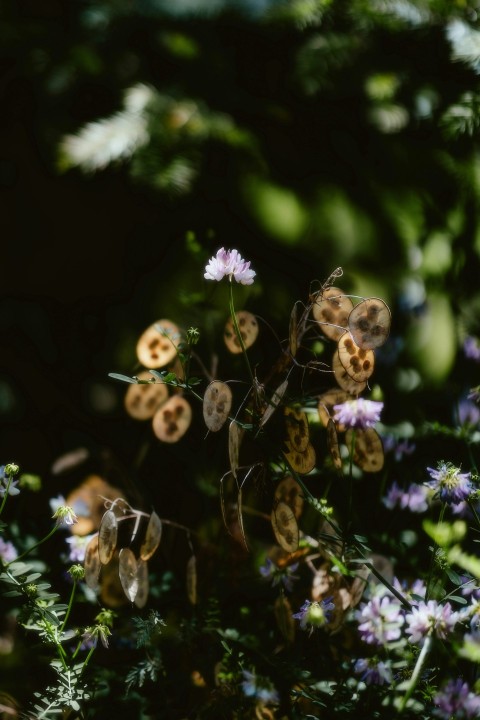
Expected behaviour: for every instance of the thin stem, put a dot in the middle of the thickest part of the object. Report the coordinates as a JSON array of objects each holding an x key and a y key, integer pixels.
[
  {"x": 432, "y": 559},
  {"x": 69, "y": 608},
  {"x": 239, "y": 335},
  {"x": 5, "y": 496},
  {"x": 416, "y": 672},
  {"x": 40, "y": 542}
]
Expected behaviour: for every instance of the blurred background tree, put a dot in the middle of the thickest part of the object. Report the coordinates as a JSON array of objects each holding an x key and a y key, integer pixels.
[{"x": 137, "y": 138}]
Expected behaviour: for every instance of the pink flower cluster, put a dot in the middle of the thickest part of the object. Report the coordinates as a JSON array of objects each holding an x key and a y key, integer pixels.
[{"x": 229, "y": 263}]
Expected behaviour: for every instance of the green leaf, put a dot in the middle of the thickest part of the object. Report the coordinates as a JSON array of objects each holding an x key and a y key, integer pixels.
[{"x": 123, "y": 378}]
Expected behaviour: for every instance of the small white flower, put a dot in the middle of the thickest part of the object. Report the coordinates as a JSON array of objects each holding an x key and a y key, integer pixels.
[{"x": 65, "y": 515}]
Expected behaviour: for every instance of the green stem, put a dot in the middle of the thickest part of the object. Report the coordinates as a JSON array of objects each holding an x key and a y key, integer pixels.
[
  {"x": 9, "y": 482},
  {"x": 239, "y": 335},
  {"x": 70, "y": 605},
  {"x": 432, "y": 559},
  {"x": 416, "y": 672},
  {"x": 87, "y": 659},
  {"x": 40, "y": 542}
]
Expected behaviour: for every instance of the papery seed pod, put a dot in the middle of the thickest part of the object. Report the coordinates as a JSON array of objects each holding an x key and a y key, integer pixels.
[
  {"x": 284, "y": 617},
  {"x": 285, "y": 527},
  {"x": 172, "y": 419},
  {"x": 143, "y": 584},
  {"x": 289, "y": 491},
  {"x": 191, "y": 579},
  {"x": 367, "y": 449},
  {"x": 345, "y": 381},
  {"x": 92, "y": 564},
  {"x": 358, "y": 363},
  {"x": 107, "y": 537},
  {"x": 248, "y": 326},
  {"x": 153, "y": 535},
  {"x": 141, "y": 401},
  {"x": 157, "y": 346},
  {"x": 88, "y": 500},
  {"x": 274, "y": 402},
  {"x": 333, "y": 446},
  {"x": 217, "y": 402},
  {"x": 301, "y": 462},
  {"x": 327, "y": 401},
  {"x": 127, "y": 572},
  {"x": 111, "y": 591},
  {"x": 235, "y": 435},
  {"x": 298, "y": 434},
  {"x": 369, "y": 323},
  {"x": 331, "y": 310}
]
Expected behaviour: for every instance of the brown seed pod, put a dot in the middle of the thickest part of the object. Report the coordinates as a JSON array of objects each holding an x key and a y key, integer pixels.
[
  {"x": 217, "y": 402},
  {"x": 157, "y": 346},
  {"x": 332, "y": 443},
  {"x": 331, "y": 310},
  {"x": 358, "y": 363},
  {"x": 111, "y": 591},
  {"x": 301, "y": 462},
  {"x": 274, "y": 402},
  {"x": 367, "y": 450},
  {"x": 143, "y": 584},
  {"x": 289, "y": 492},
  {"x": 87, "y": 500},
  {"x": 153, "y": 536},
  {"x": 284, "y": 617},
  {"x": 191, "y": 579},
  {"x": 127, "y": 572},
  {"x": 369, "y": 323},
  {"x": 285, "y": 527},
  {"x": 297, "y": 428},
  {"x": 92, "y": 564},
  {"x": 172, "y": 419},
  {"x": 107, "y": 537},
  {"x": 141, "y": 401},
  {"x": 327, "y": 401},
  {"x": 235, "y": 435},
  {"x": 248, "y": 326},
  {"x": 345, "y": 381}
]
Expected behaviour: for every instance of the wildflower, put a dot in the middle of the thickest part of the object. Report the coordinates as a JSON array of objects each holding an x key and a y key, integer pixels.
[
  {"x": 7, "y": 484},
  {"x": 413, "y": 499},
  {"x": 471, "y": 348},
  {"x": 372, "y": 672},
  {"x": 315, "y": 614},
  {"x": 258, "y": 688},
  {"x": 428, "y": 618},
  {"x": 380, "y": 620},
  {"x": 8, "y": 552},
  {"x": 400, "y": 448},
  {"x": 78, "y": 544},
  {"x": 468, "y": 412},
  {"x": 65, "y": 515},
  {"x": 449, "y": 483},
  {"x": 358, "y": 413},
  {"x": 94, "y": 633},
  {"x": 277, "y": 575},
  {"x": 229, "y": 263},
  {"x": 456, "y": 700},
  {"x": 77, "y": 572}
]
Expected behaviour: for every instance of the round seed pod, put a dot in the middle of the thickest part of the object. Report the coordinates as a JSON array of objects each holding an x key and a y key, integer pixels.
[
  {"x": 331, "y": 311},
  {"x": 92, "y": 564},
  {"x": 301, "y": 462},
  {"x": 153, "y": 536},
  {"x": 285, "y": 527},
  {"x": 358, "y": 363},
  {"x": 289, "y": 492},
  {"x": 217, "y": 402},
  {"x": 107, "y": 537},
  {"x": 328, "y": 400},
  {"x": 345, "y": 381},
  {"x": 157, "y": 345},
  {"x": 127, "y": 572},
  {"x": 248, "y": 326},
  {"x": 172, "y": 419},
  {"x": 141, "y": 401},
  {"x": 367, "y": 450},
  {"x": 297, "y": 428},
  {"x": 369, "y": 323},
  {"x": 143, "y": 584}
]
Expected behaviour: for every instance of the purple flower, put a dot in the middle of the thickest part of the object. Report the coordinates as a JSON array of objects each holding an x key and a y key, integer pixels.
[
  {"x": 8, "y": 552},
  {"x": 400, "y": 448},
  {"x": 78, "y": 543},
  {"x": 315, "y": 614},
  {"x": 449, "y": 483},
  {"x": 413, "y": 499},
  {"x": 259, "y": 688},
  {"x": 428, "y": 618},
  {"x": 380, "y": 620},
  {"x": 468, "y": 412},
  {"x": 7, "y": 484},
  {"x": 456, "y": 700},
  {"x": 277, "y": 575},
  {"x": 372, "y": 672},
  {"x": 358, "y": 413},
  {"x": 471, "y": 348},
  {"x": 229, "y": 263}
]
